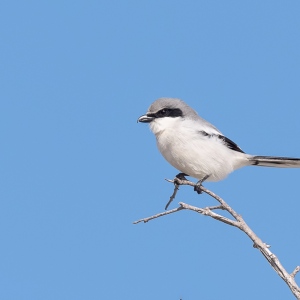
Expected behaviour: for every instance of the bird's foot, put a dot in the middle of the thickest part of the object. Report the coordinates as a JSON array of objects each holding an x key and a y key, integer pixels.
[
  {"x": 197, "y": 187},
  {"x": 181, "y": 176}
]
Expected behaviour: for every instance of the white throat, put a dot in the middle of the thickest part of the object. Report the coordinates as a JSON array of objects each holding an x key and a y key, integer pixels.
[{"x": 159, "y": 125}]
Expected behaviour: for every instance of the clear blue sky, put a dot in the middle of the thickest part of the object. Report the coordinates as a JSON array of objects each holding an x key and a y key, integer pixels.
[{"x": 77, "y": 170}]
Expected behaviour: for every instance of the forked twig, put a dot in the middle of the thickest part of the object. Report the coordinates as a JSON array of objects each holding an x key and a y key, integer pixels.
[{"x": 238, "y": 222}]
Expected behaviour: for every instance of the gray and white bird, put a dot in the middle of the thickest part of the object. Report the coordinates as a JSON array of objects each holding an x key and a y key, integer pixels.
[{"x": 197, "y": 148}]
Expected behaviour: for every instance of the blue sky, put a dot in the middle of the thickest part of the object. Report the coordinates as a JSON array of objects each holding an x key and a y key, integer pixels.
[{"x": 77, "y": 170}]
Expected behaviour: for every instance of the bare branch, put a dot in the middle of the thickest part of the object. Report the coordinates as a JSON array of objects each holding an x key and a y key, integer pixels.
[
  {"x": 210, "y": 193},
  {"x": 237, "y": 222}
]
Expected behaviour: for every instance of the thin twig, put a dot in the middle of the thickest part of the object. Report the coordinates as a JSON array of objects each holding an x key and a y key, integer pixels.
[
  {"x": 176, "y": 188},
  {"x": 207, "y": 212},
  {"x": 215, "y": 207},
  {"x": 297, "y": 269},
  {"x": 145, "y": 220}
]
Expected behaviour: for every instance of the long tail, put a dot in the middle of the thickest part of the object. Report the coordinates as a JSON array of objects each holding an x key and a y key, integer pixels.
[{"x": 274, "y": 161}]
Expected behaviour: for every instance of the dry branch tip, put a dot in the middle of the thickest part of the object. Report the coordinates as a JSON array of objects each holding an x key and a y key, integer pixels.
[{"x": 294, "y": 273}]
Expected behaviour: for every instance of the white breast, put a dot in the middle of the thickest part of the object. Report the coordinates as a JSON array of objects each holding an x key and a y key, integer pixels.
[{"x": 193, "y": 153}]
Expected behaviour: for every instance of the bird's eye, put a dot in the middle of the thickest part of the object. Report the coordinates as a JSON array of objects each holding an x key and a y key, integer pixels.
[{"x": 165, "y": 112}]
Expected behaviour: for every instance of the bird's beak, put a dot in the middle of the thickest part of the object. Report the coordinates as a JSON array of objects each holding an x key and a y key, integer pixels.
[{"x": 145, "y": 118}]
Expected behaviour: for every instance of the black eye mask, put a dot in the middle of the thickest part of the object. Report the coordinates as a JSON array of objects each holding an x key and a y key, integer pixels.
[{"x": 167, "y": 112}]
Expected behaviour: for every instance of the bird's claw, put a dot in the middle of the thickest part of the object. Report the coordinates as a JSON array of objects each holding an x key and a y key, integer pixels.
[
  {"x": 197, "y": 187},
  {"x": 181, "y": 176}
]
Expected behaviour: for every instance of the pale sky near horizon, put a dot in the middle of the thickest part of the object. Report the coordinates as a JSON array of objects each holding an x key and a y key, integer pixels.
[{"x": 77, "y": 169}]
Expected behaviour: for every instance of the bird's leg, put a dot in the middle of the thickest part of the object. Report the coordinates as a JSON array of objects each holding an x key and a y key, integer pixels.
[{"x": 197, "y": 187}]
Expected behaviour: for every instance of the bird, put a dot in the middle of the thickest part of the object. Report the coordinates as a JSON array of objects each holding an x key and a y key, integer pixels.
[{"x": 197, "y": 148}]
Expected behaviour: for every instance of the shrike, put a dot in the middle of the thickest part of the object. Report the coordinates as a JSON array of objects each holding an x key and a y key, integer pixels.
[{"x": 197, "y": 148}]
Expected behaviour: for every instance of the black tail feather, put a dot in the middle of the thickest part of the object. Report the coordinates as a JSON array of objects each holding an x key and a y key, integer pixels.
[{"x": 274, "y": 161}]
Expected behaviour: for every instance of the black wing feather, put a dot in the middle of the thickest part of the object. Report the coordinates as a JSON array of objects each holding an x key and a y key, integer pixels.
[{"x": 229, "y": 143}]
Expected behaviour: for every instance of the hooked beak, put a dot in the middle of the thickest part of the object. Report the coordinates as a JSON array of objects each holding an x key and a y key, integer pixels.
[{"x": 145, "y": 118}]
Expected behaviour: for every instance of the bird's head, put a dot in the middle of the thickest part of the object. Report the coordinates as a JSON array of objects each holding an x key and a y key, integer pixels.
[{"x": 166, "y": 113}]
